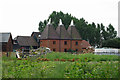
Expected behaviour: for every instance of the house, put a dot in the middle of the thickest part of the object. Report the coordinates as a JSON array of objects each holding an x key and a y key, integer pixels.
[
  {"x": 61, "y": 40},
  {"x": 6, "y": 42},
  {"x": 36, "y": 36},
  {"x": 25, "y": 42}
]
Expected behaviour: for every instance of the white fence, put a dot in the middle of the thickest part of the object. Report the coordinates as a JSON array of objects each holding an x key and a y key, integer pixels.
[{"x": 107, "y": 51}]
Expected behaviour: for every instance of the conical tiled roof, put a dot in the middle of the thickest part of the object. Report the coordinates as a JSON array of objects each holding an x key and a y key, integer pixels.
[
  {"x": 72, "y": 31},
  {"x": 62, "y": 32},
  {"x": 49, "y": 33}
]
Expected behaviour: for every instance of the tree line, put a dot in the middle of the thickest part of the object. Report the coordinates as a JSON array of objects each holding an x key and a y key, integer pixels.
[{"x": 95, "y": 34}]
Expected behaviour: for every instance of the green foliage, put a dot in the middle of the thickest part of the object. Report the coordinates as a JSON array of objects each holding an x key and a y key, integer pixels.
[
  {"x": 70, "y": 50},
  {"x": 92, "y": 70},
  {"x": 93, "y": 33},
  {"x": 112, "y": 43},
  {"x": 88, "y": 66}
]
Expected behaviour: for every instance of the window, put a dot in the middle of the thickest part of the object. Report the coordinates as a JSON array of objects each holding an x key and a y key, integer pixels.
[
  {"x": 76, "y": 50},
  {"x": 65, "y": 50},
  {"x": 83, "y": 48},
  {"x": 54, "y": 42},
  {"x": 76, "y": 43},
  {"x": 65, "y": 42},
  {"x": 54, "y": 49}
]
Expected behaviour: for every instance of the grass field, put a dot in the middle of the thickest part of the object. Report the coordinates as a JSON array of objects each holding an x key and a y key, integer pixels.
[{"x": 62, "y": 65}]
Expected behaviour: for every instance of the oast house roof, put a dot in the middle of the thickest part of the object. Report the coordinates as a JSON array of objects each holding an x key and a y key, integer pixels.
[
  {"x": 72, "y": 31},
  {"x": 62, "y": 32},
  {"x": 49, "y": 33}
]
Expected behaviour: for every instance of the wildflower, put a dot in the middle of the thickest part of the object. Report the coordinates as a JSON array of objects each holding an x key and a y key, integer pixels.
[
  {"x": 73, "y": 59},
  {"x": 63, "y": 60},
  {"x": 77, "y": 63}
]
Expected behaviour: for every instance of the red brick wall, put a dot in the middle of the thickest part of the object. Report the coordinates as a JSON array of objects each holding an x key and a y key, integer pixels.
[
  {"x": 60, "y": 46},
  {"x": 63, "y": 46},
  {"x": 49, "y": 44},
  {"x": 74, "y": 46}
]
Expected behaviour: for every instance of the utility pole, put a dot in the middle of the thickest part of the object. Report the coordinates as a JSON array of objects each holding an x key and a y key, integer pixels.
[{"x": 119, "y": 19}]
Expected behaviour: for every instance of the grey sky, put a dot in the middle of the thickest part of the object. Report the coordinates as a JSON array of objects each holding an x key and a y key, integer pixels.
[{"x": 21, "y": 17}]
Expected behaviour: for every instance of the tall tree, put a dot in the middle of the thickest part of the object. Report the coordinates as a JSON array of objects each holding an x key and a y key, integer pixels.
[
  {"x": 111, "y": 32},
  {"x": 41, "y": 27},
  {"x": 98, "y": 36},
  {"x": 112, "y": 43}
]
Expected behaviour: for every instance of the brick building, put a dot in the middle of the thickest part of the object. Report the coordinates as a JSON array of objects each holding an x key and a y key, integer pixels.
[
  {"x": 6, "y": 42},
  {"x": 61, "y": 40}
]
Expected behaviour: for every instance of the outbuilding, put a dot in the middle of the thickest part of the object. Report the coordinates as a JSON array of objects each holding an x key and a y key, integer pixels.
[
  {"x": 6, "y": 42},
  {"x": 25, "y": 42}
]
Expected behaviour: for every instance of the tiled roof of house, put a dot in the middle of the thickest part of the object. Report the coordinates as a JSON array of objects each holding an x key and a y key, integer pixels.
[
  {"x": 73, "y": 32},
  {"x": 4, "y": 37},
  {"x": 26, "y": 41},
  {"x": 49, "y": 33},
  {"x": 62, "y": 32}
]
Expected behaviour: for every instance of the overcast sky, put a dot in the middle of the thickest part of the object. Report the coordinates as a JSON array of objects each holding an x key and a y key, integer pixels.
[{"x": 21, "y": 17}]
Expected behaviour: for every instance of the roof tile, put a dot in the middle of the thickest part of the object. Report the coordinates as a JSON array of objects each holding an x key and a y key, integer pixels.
[
  {"x": 73, "y": 32},
  {"x": 26, "y": 41},
  {"x": 49, "y": 33},
  {"x": 63, "y": 34}
]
